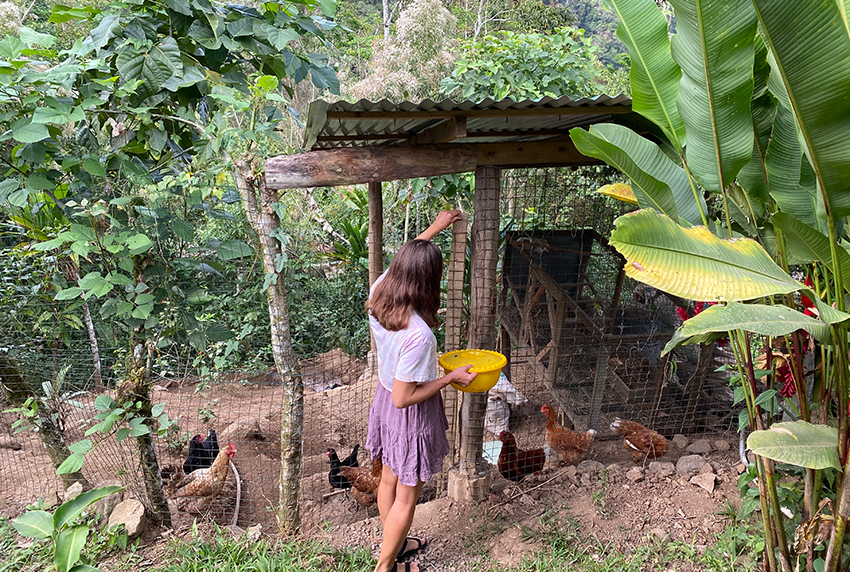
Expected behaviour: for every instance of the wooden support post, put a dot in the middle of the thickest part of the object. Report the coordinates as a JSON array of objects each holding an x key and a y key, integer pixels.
[
  {"x": 482, "y": 326},
  {"x": 376, "y": 240},
  {"x": 454, "y": 325}
]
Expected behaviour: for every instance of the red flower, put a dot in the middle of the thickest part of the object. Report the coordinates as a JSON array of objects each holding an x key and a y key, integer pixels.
[
  {"x": 806, "y": 301},
  {"x": 683, "y": 314},
  {"x": 783, "y": 374}
]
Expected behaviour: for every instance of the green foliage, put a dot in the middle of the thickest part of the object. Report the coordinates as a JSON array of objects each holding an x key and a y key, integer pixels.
[
  {"x": 127, "y": 419},
  {"x": 223, "y": 551},
  {"x": 735, "y": 94},
  {"x": 411, "y": 64},
  {"x": 66, "y": 536},
  {"x": 525, "y": 66}
]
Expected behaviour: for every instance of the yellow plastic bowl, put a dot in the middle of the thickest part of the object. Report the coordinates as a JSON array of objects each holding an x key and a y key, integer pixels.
[{"x": 487, "y": 364}]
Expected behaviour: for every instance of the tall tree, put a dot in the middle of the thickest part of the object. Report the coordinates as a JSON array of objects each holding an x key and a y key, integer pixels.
[{"x": 151, "y": 87}]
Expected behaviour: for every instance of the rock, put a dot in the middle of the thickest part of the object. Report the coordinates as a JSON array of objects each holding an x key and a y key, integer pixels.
[
  {"x": 73, "y": 491},
  {"x": 254, "y": 532},
  {"x": 7, "y": 442},
  {"x": 700, "y": 447},
  {"x": 662, "y": 468},
  {"x": 589, "y": 467},
  {"x": 614, "y": 470},
  {"x": 635, "y": 474},
  {"x": 690, "y": 464},
  {"x": 721, "y": 445},
  {"x": 130, "y": 513},
  {"x": 740, "y": 468},
  {"x": 659, "y": 533},
  {"x": 680, "y": 441},
  {"x": 234, "y": 530},
  {"x": 51, "y": 501},
  {"x": 705, "y": 480},
  {"x": 245, "y": 429},
  {"x": 707, "y": 469},
  {"x": 107, "y": 504}
]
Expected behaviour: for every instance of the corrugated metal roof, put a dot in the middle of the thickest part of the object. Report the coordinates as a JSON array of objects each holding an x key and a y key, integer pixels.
[{"x": 367, "y": 123}]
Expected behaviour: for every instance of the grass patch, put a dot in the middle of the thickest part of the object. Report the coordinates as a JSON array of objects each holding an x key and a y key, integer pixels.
[
  {"x": 568, "y": 548},
  {"x": 224, "y": 553}
]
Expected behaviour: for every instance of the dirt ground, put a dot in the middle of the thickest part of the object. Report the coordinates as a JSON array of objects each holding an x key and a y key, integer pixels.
[{"x": 607, "y": 495}]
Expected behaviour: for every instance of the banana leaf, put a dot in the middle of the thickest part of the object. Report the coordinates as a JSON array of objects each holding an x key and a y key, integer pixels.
[
  {"x": 657, "y": 182},
  {"x": 715, "y": 49},
  {"x": 798, "y": 443},
  {"x": 653, "y": 73},
  {"x": 806, "y": 244},
  {"x": 783, "y": 161},
  {"x": 816, "y": 73},
  {"x": 693, "y": 263},
  {"x": 771, "y": 321}
]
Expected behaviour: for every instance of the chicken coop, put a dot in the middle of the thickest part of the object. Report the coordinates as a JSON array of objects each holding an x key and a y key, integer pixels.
[{"x": 528, "y": 272}]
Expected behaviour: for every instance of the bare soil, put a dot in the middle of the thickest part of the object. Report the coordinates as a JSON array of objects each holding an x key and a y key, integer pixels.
[{"x": 624, "y": 510}]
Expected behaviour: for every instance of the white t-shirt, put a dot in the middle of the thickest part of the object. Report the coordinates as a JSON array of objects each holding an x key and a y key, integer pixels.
[{"x": 406, "y": 355}]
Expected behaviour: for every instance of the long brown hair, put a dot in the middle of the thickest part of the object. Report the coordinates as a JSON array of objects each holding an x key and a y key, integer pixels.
[{"x": 411, "y": 284}]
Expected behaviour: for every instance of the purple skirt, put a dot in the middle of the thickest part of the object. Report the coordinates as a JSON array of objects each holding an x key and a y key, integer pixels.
[{"x": 410, "y": 441}]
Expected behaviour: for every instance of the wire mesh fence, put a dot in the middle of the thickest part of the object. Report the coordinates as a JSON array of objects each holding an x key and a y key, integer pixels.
[{"x": 532, "y": 276}]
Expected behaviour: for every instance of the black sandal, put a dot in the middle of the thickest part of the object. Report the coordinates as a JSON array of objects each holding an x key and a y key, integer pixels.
[{"x": 405, "y": 551}]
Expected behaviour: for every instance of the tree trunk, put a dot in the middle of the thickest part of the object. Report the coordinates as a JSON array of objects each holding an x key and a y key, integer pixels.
[
  {"x": 136, "y": 386},
  {"x": 72, "y": 271},
  {"x": 95, "y": 350},
  {"x": 265, "y": 222},
  {"x": 17, "y": 391},
  {"x": 386, "y": 14}
]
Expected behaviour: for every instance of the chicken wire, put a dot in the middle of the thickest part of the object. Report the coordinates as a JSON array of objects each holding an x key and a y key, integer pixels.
[
  {"x": 580, "y": 335},
  {"x": 547, "y": 223}
]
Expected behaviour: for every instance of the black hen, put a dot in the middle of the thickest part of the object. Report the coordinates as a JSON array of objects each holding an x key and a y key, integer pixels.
[
  {"x": 336, "y": 479},
  {"x": 210, "y": 445},
  {"x": 197, "y": 455}
]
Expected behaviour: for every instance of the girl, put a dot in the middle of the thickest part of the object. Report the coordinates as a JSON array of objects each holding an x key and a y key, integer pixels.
[{"x": 407, "y": 421}]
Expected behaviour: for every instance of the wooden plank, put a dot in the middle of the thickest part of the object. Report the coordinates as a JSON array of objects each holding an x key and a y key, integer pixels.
[
  {"x": 360, "y": 165},
  {"x": 449, "y": 130},
  {"x": 556, "y": 317},
  {"x": 376, "y": 236},
  {"x": 552, "y": 288},
  {"x": 550, "y": 152},
  {"x": 454, "y": 324},
  {"x": 598, "y": 386}
]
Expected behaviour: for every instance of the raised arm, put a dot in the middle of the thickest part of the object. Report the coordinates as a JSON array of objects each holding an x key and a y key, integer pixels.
[{"x": 443, "y": 221}]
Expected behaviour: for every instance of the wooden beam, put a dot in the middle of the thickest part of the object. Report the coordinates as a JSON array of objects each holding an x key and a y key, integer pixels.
[
  {"x": 471, "y": 113},
  {"x": 548, "y": 153},
  {"x": 359, "y": 165},
  {"x": 443, "y": 132}
]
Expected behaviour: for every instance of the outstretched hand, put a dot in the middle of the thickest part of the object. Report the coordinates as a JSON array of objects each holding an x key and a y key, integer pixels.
[{"x": 443, "y": 221}]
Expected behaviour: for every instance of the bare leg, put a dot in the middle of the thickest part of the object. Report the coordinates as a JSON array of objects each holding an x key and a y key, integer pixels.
[
  {"x": 386, "y": 492},
  {"x": 397, "y": 522}
]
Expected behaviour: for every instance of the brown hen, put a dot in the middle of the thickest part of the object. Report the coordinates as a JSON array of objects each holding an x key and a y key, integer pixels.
[
  {"x": 569, "y": 445},
  {"x": 195, "y": 492},
  {"x": 643, "y": 443},
  {"x": 514, "y": 463},
  {"x": 364, "y": 482}
]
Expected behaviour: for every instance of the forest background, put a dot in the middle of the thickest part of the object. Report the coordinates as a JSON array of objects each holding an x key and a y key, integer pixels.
[{"x": 72, "y": 167}]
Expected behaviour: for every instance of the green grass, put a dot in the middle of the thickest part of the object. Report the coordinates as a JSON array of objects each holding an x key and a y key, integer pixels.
[
  {"x": 565, "y": 546},
  {"x": 224, "y": 553},
  {"x": 568, "y": 548}
]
